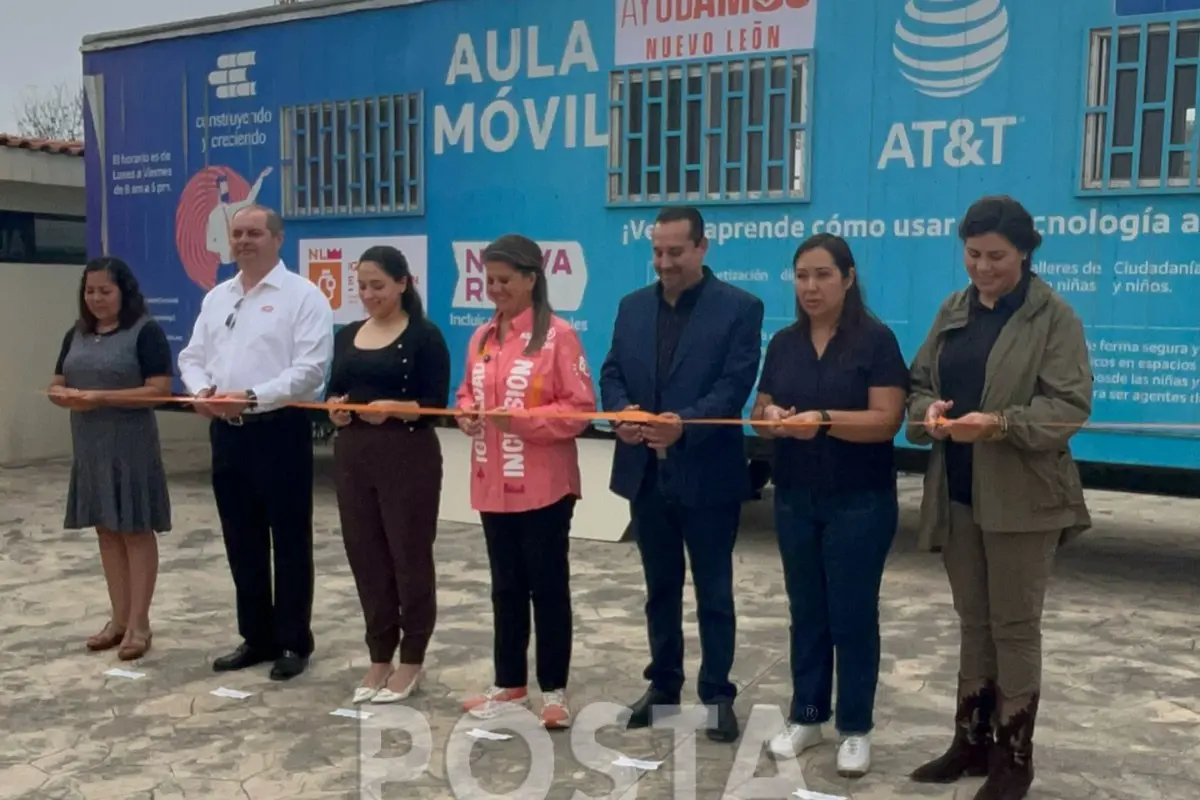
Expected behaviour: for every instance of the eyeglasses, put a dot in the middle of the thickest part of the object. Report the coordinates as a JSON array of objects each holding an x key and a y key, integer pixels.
[{"x": 231, "y": 320}]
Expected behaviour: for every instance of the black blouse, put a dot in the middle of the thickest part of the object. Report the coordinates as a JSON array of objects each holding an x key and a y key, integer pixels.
[
  {"x": 413, "y": 367},
  {"x": 840, "y": 380}
]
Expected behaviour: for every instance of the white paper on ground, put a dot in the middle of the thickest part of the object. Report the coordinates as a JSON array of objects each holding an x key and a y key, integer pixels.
[
  {"x": 350, "y": 713},
  {"x": 479, "y": 733},
  {"x": 125, "y": 673},
  {"x": 626, "y": 761},
  {"x": 805, "y": 794},
  {"x": 234, "y": 694}
]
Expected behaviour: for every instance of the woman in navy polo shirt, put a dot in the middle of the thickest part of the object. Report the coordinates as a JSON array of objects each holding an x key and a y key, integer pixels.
[{"x": 839, "y": 371}]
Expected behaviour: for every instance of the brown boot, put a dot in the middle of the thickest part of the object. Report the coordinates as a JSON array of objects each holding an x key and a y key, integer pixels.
[
  {"x": 1011, "y": 772},
  {"x": 968, "y": 753}
]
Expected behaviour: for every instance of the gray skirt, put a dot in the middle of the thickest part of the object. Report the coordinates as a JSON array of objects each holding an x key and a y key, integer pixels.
[{"x": 117, "y": 477}]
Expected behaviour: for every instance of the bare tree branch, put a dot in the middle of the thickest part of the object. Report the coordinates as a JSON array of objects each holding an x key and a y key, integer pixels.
[{"x": 56, "y": 113}]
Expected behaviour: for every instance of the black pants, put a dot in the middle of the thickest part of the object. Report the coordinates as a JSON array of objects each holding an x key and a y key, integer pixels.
[
  {"x": 528, "y": 554},
  {"x": 262, "y": 476},
  {"x": 665, "y": 531},
  {"x": 389, "y": 486}
]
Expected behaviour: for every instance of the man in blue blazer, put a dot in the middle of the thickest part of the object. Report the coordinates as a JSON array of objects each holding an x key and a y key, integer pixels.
[{"x": 686, "y": 347}]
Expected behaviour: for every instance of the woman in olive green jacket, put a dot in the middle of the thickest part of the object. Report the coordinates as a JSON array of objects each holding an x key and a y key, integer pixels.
[{"x": 1001, "y": 384}]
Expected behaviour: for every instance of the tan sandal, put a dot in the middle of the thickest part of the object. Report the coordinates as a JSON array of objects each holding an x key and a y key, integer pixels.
[
  {"x": 135, "y": 646},
  {"x": 109, "y": 637}
]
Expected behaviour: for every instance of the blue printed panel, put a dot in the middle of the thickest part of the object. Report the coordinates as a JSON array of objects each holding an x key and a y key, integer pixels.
[
  {"x": 916, "y": 110},
  {"x": 183, "y": 149}
]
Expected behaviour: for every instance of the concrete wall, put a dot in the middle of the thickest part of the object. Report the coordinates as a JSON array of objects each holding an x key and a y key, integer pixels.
[
  {"x": 39, "y": 199},
  {"x": 37, "y": 305},
  {"x": 43, "y": 183},
  {"x": 38, "y": 167}
]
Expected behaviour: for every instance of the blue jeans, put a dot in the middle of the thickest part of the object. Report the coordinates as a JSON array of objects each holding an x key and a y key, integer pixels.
[{"x": 834, "y": 547}]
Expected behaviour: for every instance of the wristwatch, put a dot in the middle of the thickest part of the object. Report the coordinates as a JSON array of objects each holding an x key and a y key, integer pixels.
[
  {"x": 251, "y": 399},
  {"x": 825, "y": 422},
  {"x": 1001, "y": 431}
]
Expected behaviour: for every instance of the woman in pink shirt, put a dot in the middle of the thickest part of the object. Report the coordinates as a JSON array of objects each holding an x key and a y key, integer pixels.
[{"x": 525, "y": 473}]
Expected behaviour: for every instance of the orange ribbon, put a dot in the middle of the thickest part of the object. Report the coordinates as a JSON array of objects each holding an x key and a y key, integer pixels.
[{"x": 615, "y": 417}]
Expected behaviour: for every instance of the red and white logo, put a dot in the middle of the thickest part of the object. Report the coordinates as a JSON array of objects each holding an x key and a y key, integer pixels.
[
  {"x": 655, "y": 31},
  {"x": 332, "y": 265},
  {"x": 204, "y": 217},
  {"x": 564, "y": 264},
  {"x": 327, "y": 270}
]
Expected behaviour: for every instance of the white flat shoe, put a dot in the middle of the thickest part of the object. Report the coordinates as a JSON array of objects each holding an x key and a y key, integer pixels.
[
  {"x": 386, "y": 695},
  {"x": 364, "y": 694}
]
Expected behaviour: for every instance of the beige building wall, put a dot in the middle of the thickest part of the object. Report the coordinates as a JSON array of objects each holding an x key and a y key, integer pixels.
[{"x": 38, "y": 303}]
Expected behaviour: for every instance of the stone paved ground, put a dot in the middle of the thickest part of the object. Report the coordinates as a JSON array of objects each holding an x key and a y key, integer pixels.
[{"x": 1122, "y": 718}]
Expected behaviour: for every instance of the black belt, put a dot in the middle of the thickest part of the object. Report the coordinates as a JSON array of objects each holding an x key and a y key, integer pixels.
[{"x": 262, "y": 416}]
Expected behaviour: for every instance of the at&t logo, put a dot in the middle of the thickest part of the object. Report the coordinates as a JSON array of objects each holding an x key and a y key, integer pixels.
[{"x": 947, "y": 48}]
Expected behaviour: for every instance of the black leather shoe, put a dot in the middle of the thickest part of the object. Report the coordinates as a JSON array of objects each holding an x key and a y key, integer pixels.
[
  {"x": 245, "y": 656},
  {"x": 642, "y": 711},
  {"x": 288, "y": 666},
  {"x": 726, "y": 727}
]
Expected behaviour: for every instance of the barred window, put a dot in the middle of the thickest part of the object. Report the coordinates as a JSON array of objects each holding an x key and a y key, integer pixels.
[
  {"x": 1140, "y": 122},
  {"x": 354, "y": 157},
  {"x": 719, "y": 131}
]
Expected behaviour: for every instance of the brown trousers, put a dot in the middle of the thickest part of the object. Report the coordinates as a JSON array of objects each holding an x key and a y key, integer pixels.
[
  {"x": 389, "y": 483},
  {"x": 999, "y": 585}
]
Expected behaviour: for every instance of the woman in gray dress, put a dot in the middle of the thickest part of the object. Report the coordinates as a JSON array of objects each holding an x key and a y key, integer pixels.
[{"x": 114, "y": 360}]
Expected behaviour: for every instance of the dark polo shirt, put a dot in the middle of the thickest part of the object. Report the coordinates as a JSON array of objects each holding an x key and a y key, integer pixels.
[{"x": 840, "y": 380}]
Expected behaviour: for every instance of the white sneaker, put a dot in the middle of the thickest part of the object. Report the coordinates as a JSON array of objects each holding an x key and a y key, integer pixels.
[
  {"x": 555, "y": 713},
  {"x": 794, "y": 740},
  {"x": 854, "y": 757},
  {"x": 496, "y": 701}
]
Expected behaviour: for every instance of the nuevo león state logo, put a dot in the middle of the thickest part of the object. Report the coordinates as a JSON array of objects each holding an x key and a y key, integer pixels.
[{"x": 947, "y": 48}]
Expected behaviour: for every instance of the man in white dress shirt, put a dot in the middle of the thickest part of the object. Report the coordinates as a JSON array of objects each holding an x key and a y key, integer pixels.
[{"x": 263, "y": 338}]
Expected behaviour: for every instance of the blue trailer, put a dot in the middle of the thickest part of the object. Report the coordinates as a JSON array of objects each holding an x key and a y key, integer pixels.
[{"x": 440, "y": 124}]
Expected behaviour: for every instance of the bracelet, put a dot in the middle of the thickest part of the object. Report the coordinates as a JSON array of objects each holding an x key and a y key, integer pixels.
[{"x": 1001, "y": 428}]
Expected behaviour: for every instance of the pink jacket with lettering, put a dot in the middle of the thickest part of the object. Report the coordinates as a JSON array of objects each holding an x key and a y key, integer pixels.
[{"x": 536, "y": 463}]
